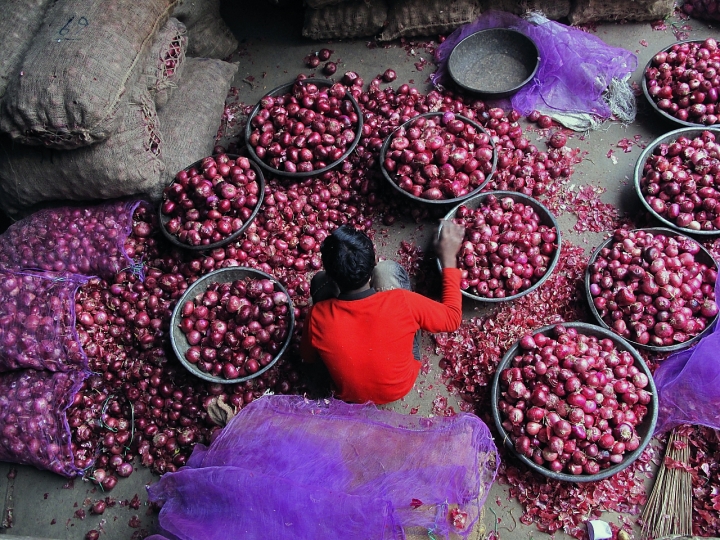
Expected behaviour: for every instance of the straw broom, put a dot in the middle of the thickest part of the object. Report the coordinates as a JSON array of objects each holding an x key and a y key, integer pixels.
[{"x": 669, "y": 508}]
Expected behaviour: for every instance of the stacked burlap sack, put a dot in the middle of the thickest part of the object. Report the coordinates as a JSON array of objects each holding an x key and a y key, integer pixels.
[
  {"x": 101, "y": 100},
  {"x": 392, "y": 19}
]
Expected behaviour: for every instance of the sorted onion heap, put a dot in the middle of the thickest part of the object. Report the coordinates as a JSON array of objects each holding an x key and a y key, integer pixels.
[
  {"x": 571, "y": 402},
  {"x": 506, "y": 248},
  {"x": 208, "y": 204},
  {"x": 683, "y": 81},
  {"x": 437, "y": 158},
  {"x": 235, "y": 329},
  {"x": 304, "y": 130},
  {"x": 651, "y": 288},
  {"x": 680, "y": 182}
]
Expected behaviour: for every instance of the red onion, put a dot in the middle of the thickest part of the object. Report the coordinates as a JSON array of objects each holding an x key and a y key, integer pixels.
[
  {"x": 439, "y": 157},
  {"x": 207, "y": 204},
  {"x": 506, "y": 249},
  {"x": 672, "y": 312},
  {"x": 570, "y": 428},
  {"x": 682, "y": 83}
]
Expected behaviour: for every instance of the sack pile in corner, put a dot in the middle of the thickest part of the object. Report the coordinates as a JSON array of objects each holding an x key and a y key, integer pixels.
[
  {"x": 101, "y": 100},
  {"x": 391, "y": 19}
]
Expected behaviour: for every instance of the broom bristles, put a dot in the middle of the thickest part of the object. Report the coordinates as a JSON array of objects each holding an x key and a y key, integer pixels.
[{"x": 669, "y": 508}]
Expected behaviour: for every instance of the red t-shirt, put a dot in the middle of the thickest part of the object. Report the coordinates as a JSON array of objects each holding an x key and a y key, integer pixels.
[{"x": 366, "y": 343}]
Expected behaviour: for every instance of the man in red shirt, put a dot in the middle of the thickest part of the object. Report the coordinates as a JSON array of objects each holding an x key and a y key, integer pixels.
[{"x": 364, "y": 323}]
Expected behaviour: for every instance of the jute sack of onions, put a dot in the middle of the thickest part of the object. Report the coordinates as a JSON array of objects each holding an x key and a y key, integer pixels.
[
  {"x": 552, "y": 9},
  {"x": 74, "y": 80},
  {"x": 427, "y": 17},
  {"x": 190, "y": 137},
  {"x": 166, "y": 61},
  {"x": 20, "y": 20},
  {"x": 208, "y": 35},
  {"x": 345, "y": 20},
  {"x": 584, "y": 11},
  {"x": 127, "y": 163}
]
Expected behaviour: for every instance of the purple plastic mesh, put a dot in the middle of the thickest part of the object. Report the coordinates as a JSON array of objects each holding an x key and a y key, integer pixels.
[
  {"x": 37, "y": 321},
  {"x": 575, "y": 66},
  {"x": 33, "y": 425},
  {"x": 688, "y": 384},
  {"x": 79, "y": 239},
  {"x": 365, "y": 468}
]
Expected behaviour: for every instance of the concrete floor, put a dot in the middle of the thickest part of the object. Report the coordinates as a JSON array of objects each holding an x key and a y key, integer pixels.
[{"x": 270, "y": 54}]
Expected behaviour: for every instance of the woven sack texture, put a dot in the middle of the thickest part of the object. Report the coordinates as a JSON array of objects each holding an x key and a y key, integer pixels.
[
  {"x": 79, "y": 70},
  {"x": 552, "y": 9},
  {"x": 346, "y": 20},
  {"x": 166, "y": 61},
  {"x": 20, "y": 21},
  {"x": 584, "y": 11},
  {"x": 127, "y": 163},
  {"x": 208, "y": 35},
  {"x": 428, "y": 17},
  {"x": 190, "y": 137}
]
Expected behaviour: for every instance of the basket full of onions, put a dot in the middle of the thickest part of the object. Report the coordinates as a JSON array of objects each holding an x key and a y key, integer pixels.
[
  {"x": 677, "y": 177},
  {"x": 304, "y": 128},
  {"x": 682, "y": 82},
  {"x": 574, "y": 402},
  {"x": 232, "y": 325},
  {"x": 438, "y": 158},
  {"x": 654, "y": 287},
  {"x": 511, "y": 245},
  {"x": 210, "y": 203}
]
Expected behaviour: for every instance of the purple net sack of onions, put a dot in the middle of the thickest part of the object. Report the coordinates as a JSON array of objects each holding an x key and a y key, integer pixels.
[
  {"x": 37, "y": 322},
  {"x": 33, "y": 427},
  {"x": 382, "y": 468},
  {"x": 79, "y": 239},
  {"x": 702, "y": 9},
  {"x": 688, "y": 384}
]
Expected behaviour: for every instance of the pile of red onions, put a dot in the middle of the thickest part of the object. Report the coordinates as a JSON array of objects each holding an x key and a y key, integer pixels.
[
  {"x": 305, "y": 130},
  {"x": 506, "y": 249},
  {"x": 439, "y": 156},
  {"x": 651, "y": 288},
  {"x": 681, "y": 182},
  {"x": 207, "y": 204},
  {"x": 683, "y": 81},
  {"x": 571, "y": 402},
  {"x": 234, "y": 329}
]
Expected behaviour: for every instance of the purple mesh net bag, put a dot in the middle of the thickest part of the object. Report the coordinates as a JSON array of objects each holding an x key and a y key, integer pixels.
[
  {"x": 37, "y": 321},
  {"x": 385, "y": 471},
  {"x": 33, "y": 425},
  {"x": 78, "y": 239},
  {"x": 575, "y": 67},
  {"x": 688, "y": 384}
]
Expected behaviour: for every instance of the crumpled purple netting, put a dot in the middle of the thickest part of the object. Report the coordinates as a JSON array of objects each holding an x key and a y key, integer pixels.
[
  {"x": 575, "y": 67},
  {"x": 33, "y": 426},
  {"x": 79, "y": 239},
  {"x": 340, "y": 470},
  {"x": 688, "y": 384},
  {"x": 37, "y": 321}
]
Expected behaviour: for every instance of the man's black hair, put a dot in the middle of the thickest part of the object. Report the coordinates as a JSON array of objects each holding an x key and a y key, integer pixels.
[{"x": 348, "y": 256}]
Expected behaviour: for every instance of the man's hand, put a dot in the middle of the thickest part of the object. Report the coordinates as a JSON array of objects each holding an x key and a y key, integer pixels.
[{"x": 449, "y": 242}]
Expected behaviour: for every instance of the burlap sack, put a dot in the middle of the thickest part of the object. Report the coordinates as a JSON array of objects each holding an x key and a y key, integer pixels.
[
  {"x": 79, "y": 69},
  {"x": 127, "y": 163},
  {"x": 552, "y": 9},
  {"x": 346, "y": 20},
  {"x": 584, "y": 11},
  {"x": 208, "y": 35},
  {"x": 190, "y": 137},
  {"x": 428, "y": 17},
  {"x": 19, "y": 22},
  {"x": 166, "y": 61}
]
